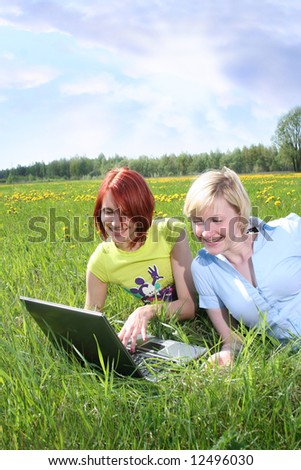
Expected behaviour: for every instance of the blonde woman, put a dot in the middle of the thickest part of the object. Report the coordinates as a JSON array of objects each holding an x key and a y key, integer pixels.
[{"x": 247, "y": 271}]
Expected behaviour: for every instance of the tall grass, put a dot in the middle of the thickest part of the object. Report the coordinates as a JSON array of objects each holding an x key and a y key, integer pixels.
[{"x": 48, "y": 401}]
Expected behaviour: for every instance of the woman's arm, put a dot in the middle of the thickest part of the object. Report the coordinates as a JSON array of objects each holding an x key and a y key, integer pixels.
[
  {"x": 231, "y": 341},
  {"x": 185, "y": 305},
  {"x": 96, "y": 292}
]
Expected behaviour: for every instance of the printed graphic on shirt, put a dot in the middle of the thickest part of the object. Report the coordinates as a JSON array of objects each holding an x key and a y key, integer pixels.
[{"x": 148, "y": 292}]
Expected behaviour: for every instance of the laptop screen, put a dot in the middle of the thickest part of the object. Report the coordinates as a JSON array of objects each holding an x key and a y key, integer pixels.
[{"x": 84, "y": 333}]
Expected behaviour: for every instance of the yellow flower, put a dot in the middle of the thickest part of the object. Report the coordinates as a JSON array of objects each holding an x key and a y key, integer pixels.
[{"x": 277, "y": 203}]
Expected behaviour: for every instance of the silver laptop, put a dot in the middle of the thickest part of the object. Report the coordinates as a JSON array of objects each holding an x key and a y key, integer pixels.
[{"x": 92, "y": 339}]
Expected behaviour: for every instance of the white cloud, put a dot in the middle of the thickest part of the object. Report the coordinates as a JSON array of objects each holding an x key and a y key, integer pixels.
[
  {"x": 7, "y": 56},
  {"x": 102, "y": 84},
  {"x": 19, "y": 77},
  {"x": 6, "y": 8}
]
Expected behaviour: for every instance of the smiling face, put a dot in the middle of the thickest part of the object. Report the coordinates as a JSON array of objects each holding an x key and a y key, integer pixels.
[
  {"x": 219, "y": 227},
  {"x": 124, "y": 192},
  {"x": 119, "y": 227}
]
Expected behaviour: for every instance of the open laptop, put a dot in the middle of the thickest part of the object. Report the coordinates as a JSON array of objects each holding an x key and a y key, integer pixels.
[{"x": 92, "y": 339}]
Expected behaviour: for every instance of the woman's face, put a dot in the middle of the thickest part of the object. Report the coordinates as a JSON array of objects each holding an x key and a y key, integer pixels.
[
  {"x": 218, "y": 227},
  {"x": 119, "y": 227}
]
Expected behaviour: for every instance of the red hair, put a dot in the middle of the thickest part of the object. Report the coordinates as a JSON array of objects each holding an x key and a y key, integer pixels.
[{"x": 133, "y": 197}]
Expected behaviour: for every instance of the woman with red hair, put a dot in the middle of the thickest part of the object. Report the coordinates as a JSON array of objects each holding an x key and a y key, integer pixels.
[{"x": 149, "y": 259}]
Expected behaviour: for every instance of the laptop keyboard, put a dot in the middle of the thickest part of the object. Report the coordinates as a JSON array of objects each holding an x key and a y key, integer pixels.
[
  {"x": 137, "y": 357},
  {"x": 150, "y": 367},
  {"x": 139, "y": 360}
]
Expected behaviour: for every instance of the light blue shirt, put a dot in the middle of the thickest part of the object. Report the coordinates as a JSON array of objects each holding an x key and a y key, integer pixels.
[{"x": 277, "y": 266}]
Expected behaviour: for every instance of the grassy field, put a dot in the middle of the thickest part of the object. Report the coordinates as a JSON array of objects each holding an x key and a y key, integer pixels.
[{"x": 46, "y": 402}]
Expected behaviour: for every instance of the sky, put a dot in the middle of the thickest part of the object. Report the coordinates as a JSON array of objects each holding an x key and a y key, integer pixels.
[{"x": 144, "y": 77}]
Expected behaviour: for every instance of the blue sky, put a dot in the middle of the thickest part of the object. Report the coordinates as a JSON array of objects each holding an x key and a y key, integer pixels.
[{"x": 134, "y": 77}]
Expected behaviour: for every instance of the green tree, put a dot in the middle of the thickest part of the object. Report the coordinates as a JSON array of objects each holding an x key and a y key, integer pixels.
[{"x": 288, "y": 137}]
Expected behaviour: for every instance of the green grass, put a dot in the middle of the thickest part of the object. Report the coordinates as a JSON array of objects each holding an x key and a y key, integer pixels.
[{"x": 50, "y": 402}]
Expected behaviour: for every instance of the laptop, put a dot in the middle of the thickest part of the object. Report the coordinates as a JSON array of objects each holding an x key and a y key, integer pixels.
[{"x": 91, "y": 338}]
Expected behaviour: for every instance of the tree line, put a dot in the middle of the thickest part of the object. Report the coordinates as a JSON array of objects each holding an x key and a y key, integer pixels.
[
  {"x": 255, "y": 159},
  {"x": 283, "y": 155}
]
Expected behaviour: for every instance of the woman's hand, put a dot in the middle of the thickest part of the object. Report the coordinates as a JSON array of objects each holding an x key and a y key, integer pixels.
[
  {"x": 136, "y": 324},
  {"x": 222, "y": 358}
]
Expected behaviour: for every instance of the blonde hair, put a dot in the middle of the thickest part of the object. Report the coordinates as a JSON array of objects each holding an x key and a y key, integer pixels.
[{"x": 211, "y": 184}]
